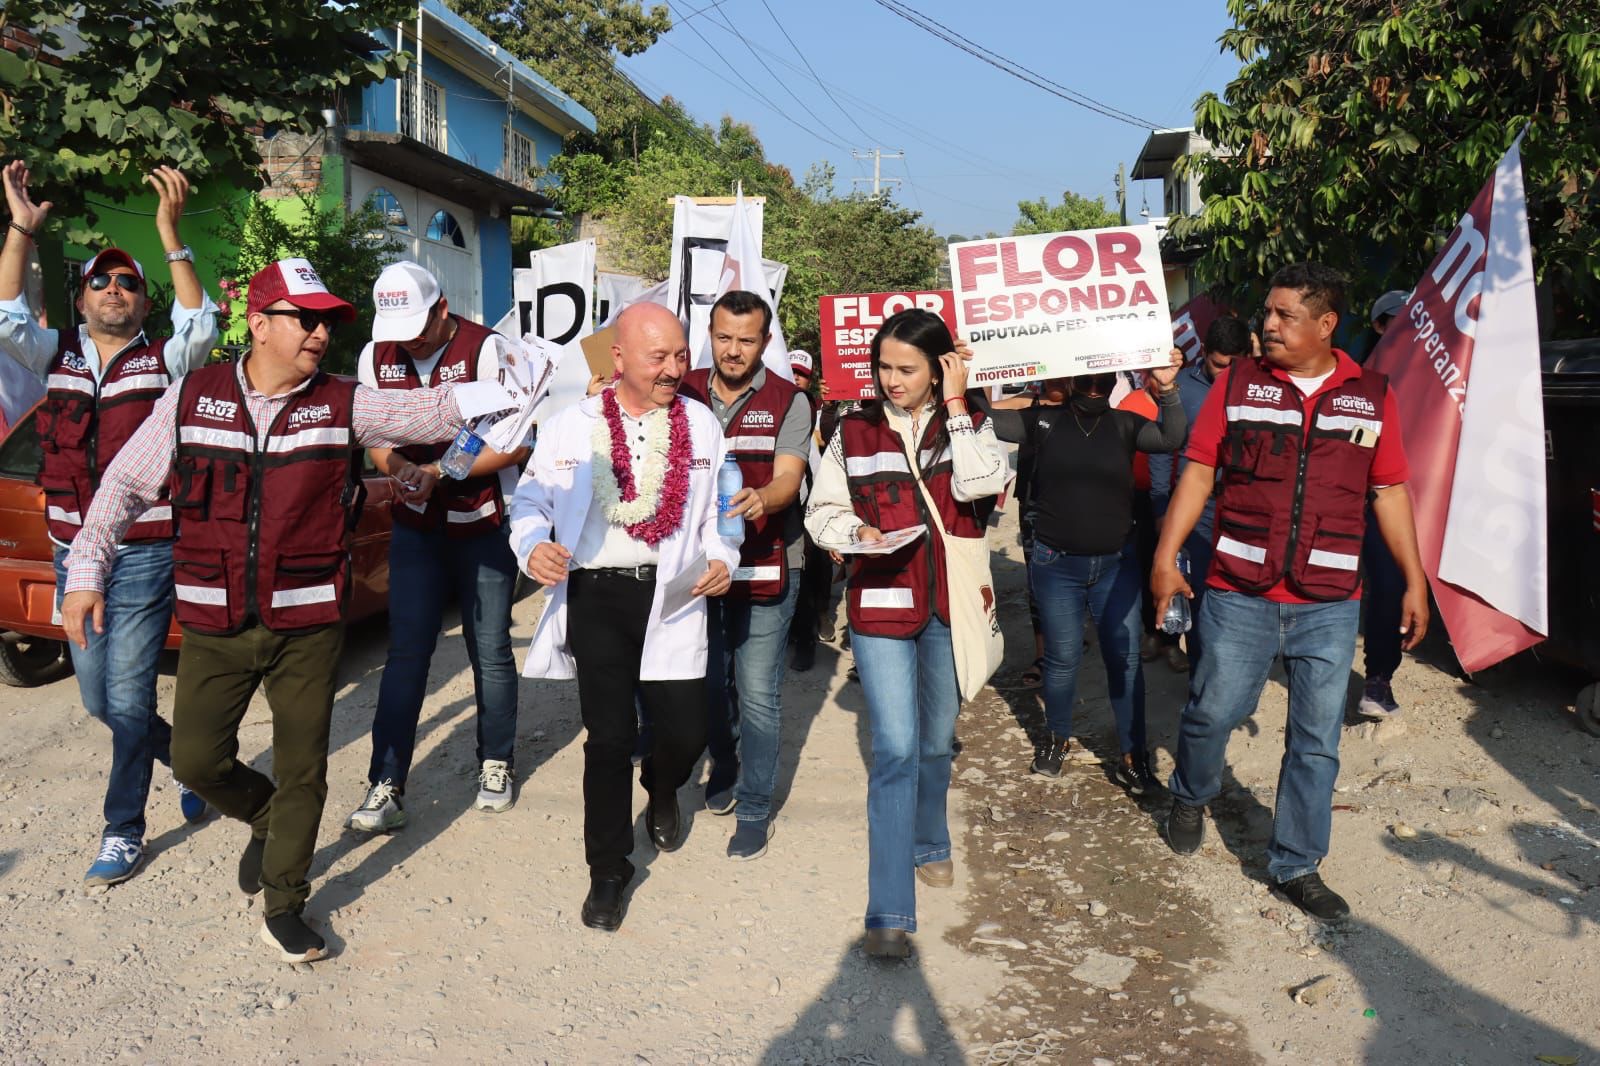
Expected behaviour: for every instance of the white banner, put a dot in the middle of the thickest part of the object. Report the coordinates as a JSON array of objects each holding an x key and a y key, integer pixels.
[
  {"x": 613, "y": 292},
  {"x": 552, "y": 300},
  {"x": 1495, "y": 536},
  {"x": 1062, "y": 304}
]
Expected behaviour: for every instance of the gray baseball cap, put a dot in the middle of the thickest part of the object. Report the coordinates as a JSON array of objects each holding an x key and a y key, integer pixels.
[{"x": 1388, "y": 304}]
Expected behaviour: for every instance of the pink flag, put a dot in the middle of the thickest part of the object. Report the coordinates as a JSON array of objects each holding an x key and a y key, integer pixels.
[{"x": 1463, "y": 357}]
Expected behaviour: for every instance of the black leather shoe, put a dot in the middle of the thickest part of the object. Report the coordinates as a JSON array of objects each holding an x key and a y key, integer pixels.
[
  {"x": 1186, "y": 827},
  {"x": 805, "y": 657},
  {"x": 602, "y": 907},
  {"x": 665, "y": 823},
  {"x": 1315, "y": 898}
]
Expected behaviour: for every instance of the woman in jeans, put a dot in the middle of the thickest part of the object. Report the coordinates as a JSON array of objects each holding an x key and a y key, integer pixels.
[
  {"x": 913, "y": 457},
  {"x": 1084, "y": 555}
]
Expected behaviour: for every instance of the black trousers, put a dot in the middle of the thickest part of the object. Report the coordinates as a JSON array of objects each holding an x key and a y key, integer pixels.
[{"x": 607, "y": 613}]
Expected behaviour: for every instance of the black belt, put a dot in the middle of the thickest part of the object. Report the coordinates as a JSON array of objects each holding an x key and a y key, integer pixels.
[{"x": 632, "y": 573}]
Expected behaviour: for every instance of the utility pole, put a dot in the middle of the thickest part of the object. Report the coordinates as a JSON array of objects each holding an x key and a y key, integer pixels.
[
  {"x": 877, "y": 155},
  {"x": 1122, "y": 192}
]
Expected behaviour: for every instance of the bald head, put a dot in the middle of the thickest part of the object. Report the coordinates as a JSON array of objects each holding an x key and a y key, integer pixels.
[{"x": 650, "y": 355}]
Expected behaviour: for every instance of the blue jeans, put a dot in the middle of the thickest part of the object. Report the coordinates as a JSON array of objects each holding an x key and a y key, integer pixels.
[
  {"x": 743, "y": 708},
  {"x": 1198, "y": 545},
  {"x": 1243, "y": 636},
  {"x": 1385, "y": 588},
  {"x": 117, "y": 676},
  {"x": 1107, "y": 587},
  {"x": 912, "y": 702},
  {"x": 422, "y": 567}
]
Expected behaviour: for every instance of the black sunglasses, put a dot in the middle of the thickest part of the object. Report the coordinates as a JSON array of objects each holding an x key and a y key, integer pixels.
[
  {"x": 127, "y": 282},
  {"x": 309, "y": 319}
]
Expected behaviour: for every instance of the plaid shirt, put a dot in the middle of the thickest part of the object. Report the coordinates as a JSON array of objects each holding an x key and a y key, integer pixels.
[{"x": 382, "y": 419}]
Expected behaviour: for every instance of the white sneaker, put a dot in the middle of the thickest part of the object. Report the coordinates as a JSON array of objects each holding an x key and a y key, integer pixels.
[
  {"x": 380, "y": 812},
  {"x": 494, "y": 786}
]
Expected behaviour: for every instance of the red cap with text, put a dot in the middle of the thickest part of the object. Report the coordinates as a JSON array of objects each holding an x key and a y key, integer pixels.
[{"x": 296, "y": 281}]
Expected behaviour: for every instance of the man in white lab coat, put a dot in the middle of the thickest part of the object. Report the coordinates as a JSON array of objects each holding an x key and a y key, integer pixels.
[{"x": 617, "y": 516}]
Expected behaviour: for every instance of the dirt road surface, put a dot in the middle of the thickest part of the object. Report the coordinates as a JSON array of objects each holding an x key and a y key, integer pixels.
[{"x": 1466, "y": 836}]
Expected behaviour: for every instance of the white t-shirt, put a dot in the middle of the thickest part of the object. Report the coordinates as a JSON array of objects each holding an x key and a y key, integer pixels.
[
  {"x": 1307, "y": 386},
  {"x": 488, "y": 370},
  {"x": 602, "y": 544}
]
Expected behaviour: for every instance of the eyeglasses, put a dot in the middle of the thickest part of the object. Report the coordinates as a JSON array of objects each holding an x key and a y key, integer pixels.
[
  {"x": 309, "y": 319},
  {"x": 126, "y": 282}
]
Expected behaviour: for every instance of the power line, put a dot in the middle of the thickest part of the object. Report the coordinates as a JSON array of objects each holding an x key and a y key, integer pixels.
[
  {"x": 759, "y": 94},
  {"x": 728, "y": 23},
  {"x": 1010, "y": 66},
  {"x": 814, "y": 75}
]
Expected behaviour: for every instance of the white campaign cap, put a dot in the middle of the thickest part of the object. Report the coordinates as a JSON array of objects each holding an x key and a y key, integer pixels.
[{"x": 403, "y": 296}]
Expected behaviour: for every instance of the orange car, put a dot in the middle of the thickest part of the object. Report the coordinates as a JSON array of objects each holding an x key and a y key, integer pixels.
[{"x": 33, "y": 649}]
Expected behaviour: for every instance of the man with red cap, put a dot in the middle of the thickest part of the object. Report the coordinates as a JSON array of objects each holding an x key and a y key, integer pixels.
[
  {"x": 103, "y": 378},
  {"x": 263, "y": 461}
]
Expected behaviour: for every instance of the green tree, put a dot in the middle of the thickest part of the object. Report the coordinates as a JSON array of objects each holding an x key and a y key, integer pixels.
[
  {"x": 571, "y": 43},
  {"x": 1073, "y": 212},
  {"x": 350, "y": 249},
  {"x": 183, "y": 82},
  {"x": 1358, "y": 131}
]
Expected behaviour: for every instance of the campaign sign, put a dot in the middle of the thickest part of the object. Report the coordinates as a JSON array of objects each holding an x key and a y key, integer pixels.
[
  {"x": 848, "y": 324},
  {"x": 1055, "y": 305}
]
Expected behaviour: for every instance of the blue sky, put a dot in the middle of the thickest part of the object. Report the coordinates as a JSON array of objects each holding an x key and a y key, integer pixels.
[{"x": 976, "y": 140}]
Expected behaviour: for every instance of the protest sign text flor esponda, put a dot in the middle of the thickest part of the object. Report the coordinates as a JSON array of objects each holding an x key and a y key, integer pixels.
[{"x": 1062, "y": 304}]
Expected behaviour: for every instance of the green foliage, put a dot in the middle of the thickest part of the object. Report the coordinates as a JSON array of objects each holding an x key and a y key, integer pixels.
[
  {"x": 182, "y": 82},
  {"x": 1073, "y": 212},
  {"x": 1359, "y": 131},
  {"x": 349, "y": 250},
  {"x": 571, "y": 42}
]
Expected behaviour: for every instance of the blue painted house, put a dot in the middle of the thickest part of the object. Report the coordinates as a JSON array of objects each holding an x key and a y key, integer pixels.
[{"x": 445, "y": 152}]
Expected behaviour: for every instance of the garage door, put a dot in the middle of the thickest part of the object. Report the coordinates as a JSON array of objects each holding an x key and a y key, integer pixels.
[{"x": 440, "y": 234}]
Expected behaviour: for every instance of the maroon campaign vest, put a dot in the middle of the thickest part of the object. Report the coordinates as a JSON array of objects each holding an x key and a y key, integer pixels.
[
  {"x": 461, "y": 508},
  {"x": 1291, "y": 505},
  {"x": 262, "y": 530},
  {"x": 83, "y": 425},
  {"x": 763, "y": 572},
  {"x": 894, "y": 595}
]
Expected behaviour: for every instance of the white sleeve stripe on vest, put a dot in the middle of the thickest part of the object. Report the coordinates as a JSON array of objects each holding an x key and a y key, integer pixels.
[
  {"x": 757, "y": 573},
  {"x": 483, "y": 511},
  {"x": 151, "y": 382},
  {"x": 201, "y": 594},
  {"x": 1229, "y": 546},
  {"x": 1345, "y": 423},
  {"x": 215, "y": 438},
  {"x": 1282, "y": 417},
  {"x": 888, "y": 599},
  {"x": 878, "y": 463},
  {"x": 1333, "y": 560},
  {"x": 71, "y": 382},
  {"x": 60, "y": 514},
  {"x": 302, "y": 597},
  {"x": 307, "y": 438},
  {"x": 752, "y": 444}
]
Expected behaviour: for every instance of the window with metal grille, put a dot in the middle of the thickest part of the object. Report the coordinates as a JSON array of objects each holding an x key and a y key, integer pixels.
[
  {"x": 518, "y": 158},
  {"x": 433, "y": 121}
]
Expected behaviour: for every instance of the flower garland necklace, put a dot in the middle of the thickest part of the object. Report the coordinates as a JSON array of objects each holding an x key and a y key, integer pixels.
[{"x": 649, "y": 504}]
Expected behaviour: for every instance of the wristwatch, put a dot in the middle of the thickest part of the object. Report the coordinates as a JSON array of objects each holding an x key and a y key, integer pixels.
[{"x": 182, "y": 255}]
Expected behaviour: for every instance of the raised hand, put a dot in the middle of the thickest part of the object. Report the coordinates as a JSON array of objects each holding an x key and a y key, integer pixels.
[{"x": 24, "y": 212}]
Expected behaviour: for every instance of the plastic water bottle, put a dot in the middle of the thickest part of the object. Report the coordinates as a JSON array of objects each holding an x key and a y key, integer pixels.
[
  {"x": 1176, "y": 620},
  {"x": 729, "y": 481},
  {"x": 463, "y": 452}
]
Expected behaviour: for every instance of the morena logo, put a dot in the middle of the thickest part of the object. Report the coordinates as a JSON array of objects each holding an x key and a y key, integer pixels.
[
  {"x": 140, "y": 364},
  {"x": 302, "y": 415},
  {"x": 216, "y": 410},
  {"x": 759, "y": 418},
  {"x": 1358, "y": 404},
  {"x": 1264, "y": 393}
]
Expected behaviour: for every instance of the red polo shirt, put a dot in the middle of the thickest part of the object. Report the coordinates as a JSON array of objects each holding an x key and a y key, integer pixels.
[{"x": 1388, "y": 460}]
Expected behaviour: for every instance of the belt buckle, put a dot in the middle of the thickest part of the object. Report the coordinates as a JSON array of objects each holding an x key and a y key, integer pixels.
[{"x": 638, "y": 573}]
